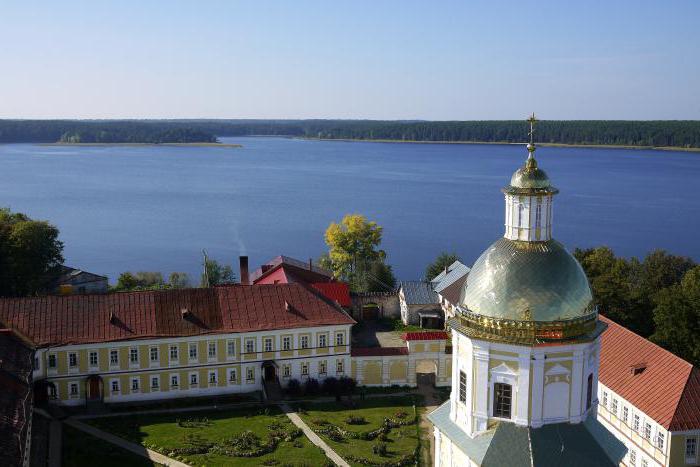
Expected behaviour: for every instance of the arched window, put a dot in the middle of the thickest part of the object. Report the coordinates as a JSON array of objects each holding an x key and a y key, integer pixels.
[
  {"x": 538, "y": 215},
  {"x": 589, "y": 393},
  {"x": 521, "y": 208},
  {"x": 502, "y": 400}
]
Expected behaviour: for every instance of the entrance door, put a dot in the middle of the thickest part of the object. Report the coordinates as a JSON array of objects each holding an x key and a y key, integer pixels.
[
  {"x": 270, "y": 373},
  {"x": 94, "y": 389}
]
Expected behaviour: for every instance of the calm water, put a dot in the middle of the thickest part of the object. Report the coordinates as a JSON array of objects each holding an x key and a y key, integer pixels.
[{"x": 155, "y": 208}]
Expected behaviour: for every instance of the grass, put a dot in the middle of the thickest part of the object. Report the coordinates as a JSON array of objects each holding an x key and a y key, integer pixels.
[
  {"x": 400, "y": 441},
  {"x": 80, "y": 449},
  {"x": 162, "y": 433}
]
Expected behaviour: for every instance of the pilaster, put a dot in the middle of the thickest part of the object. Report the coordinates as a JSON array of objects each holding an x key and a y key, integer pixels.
[
  {"x": 481, "y": 389},
  {"x": 577, "y": 382},
  {"x": 537, "y": 388},
  {"x": 523, "y": 390}
]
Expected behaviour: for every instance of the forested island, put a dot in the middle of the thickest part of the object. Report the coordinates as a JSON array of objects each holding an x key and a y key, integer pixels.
[{"x": 661, "y": 134}]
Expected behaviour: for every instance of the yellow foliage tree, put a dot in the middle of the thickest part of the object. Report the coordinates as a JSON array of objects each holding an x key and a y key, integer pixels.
[{"x": 353, "y": 247}]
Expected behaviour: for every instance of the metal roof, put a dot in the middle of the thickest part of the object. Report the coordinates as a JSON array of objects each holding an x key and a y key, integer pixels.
[
  {"x": 455, "y": 271},
  {"x": 418, "y": 293}
]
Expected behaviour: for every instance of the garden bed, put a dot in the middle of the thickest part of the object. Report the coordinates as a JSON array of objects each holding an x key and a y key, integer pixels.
[
  {"x": 242, "y": 437},
  {"x": 379, "y": 431}
]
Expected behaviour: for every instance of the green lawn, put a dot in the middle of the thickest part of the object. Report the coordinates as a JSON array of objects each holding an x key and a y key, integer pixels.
[
  {"x": 400, "y": 441},
  {"x": 82, "y": 450},
  {"x": 163, "y": 433}
]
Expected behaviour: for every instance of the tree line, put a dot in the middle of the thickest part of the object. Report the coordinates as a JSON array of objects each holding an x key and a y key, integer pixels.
[{"x": 678, "y": 133}]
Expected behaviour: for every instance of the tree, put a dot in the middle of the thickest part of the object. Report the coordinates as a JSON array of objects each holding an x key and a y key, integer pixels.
[
  {"x": 380, "y": 278},
  {"x": 217, "y": 274},
  {"x": 353, "y": 248},
  {"x": 609, "y": 277},
  {"x": 30, "y": 255},
  {"x": 179, "y": 280},
  {"x": 142, "y": 280},
  {"x": 443, "y": 260},
  {"x": 677, "y": 317}
]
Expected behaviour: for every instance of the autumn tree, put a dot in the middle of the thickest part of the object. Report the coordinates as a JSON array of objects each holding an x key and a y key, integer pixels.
[{"x": 353, "y": 248}]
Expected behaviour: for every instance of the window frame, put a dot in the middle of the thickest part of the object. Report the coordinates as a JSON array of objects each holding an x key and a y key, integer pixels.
[
  {"x": 691, "y": 457},
  {"x": 339, "y": 338},
  {"x": 250, "y": 345},
  {"x": 176, "y": 358},
  {"x": 156, "y": 387},
  {"x": 133, "y": 351},
  {"x": 155, "y": 360},
  {"x": 71, "y": 394},
  {"x": 96, "y": 354},
  {"x": 114, "y": 362},
  {"x": 304, "y": 368},
  {"x": 250, "y": 374},
  {"x": 462, "y": 387},
  {"x": 322, "y": 367},
  {"x": 52, "y": 357},
  {"x": 268, "y": 340},
  {"x": 176, "y": 378},
  {"x": 194, "y": 379},
  {"x": 114, "y": 383},
  {"x": 232, "y": 376},
  {"x": 211, "y": 345},
  {"x": 340, "y": 367},
  {"x": 213, "y": 381},
  {"x": 231, "y": 349},
  {"x": 136, "y": 380},
  {"x": 72, "y": 360},
  {"x": 192, "y": 351},
  {"x": 502, "y": 401},
  {"x": 286, "y": 343}
]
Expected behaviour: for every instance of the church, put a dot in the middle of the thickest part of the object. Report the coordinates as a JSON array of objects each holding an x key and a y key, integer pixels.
[{"x": 526, "y": 340}]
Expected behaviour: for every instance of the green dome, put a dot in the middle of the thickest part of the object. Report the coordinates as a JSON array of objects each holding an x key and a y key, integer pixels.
[
  {"x": 530, "y": 179},
  {"x": 527, "y": 281}
]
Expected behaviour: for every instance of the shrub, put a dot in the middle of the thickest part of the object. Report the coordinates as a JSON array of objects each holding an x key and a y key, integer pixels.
[
  {"x": 311, "y": 387},
  {"x": 330, "y": 385},
  {"x": 293, "y": 387},
  {"x": 319, "y": 421},
  {"x": 355, "y": 420},
  {"x": 380, "y": 449},
  {"x": 347, "y": 385},
  {"x": 401, "y": 414}
]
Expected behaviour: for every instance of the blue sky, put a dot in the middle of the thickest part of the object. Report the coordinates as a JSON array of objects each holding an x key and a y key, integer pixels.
[{"x": 436, "y": 60}]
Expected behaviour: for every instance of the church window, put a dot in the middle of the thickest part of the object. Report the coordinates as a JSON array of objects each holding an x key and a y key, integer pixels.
[
  {"x": 521, "y": 208},
  {"x": 462, "y": 387},
  {"x": 538, "y": 215},
  {"x": 589, "y": 393},
  {"x": 502, "y": 400}
]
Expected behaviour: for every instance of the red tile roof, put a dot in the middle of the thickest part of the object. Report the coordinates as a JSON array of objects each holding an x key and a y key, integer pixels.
[
  {"x": 425, "y": 336},
  {"x": 57, "y": 320},
  {"x": 377, "y": 351},
  {"x": 336, "y": 291},
  {"x": 668, "y": 387}
]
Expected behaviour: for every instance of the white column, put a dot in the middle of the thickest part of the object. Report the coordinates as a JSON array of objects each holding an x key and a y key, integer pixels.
[
  {"x": 481, "y": 390},
  {"x": 537, "y": 388},
  {"x": 577, "y": 382},
  {"x": 523, "y": 391},
  {"x": 456, "y": 346},
  {"x": 438, "y": 437}
]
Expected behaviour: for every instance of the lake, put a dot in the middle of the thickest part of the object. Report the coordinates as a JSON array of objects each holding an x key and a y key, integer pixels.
[{"x": 125, "y": 208}]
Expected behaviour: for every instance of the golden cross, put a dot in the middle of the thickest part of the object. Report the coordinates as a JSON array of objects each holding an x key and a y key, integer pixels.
[{"x": 532, "y": 121}]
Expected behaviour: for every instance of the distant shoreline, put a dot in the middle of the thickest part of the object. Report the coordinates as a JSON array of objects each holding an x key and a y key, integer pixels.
[
  {"x": 555, "y": 145},
  {"x": 204, "y": 145}
]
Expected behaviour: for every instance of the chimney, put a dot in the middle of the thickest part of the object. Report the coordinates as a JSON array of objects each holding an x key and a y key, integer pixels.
[
  {"x": 245, "y": 278},
  {"x": 311, "y": 264}
]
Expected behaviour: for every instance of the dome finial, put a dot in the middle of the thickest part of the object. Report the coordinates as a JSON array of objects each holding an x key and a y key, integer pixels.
[{"x": 531, "y": 162}]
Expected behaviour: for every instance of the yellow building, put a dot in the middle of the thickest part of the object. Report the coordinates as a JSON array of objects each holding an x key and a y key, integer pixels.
[{"x": 131, "y": 346}]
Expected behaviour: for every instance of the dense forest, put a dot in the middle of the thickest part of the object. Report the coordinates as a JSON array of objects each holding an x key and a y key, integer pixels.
[{"x": 679, "y": 133}]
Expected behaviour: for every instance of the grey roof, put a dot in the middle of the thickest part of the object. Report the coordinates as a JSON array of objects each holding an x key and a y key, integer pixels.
[
  {"x": 455, "y": 271},
  {"x": 74, "y": 276},
  {"x": 577, "y": 445},
  {"x": 418, "y": 293},
  {"x": 475, "y": 447}
]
